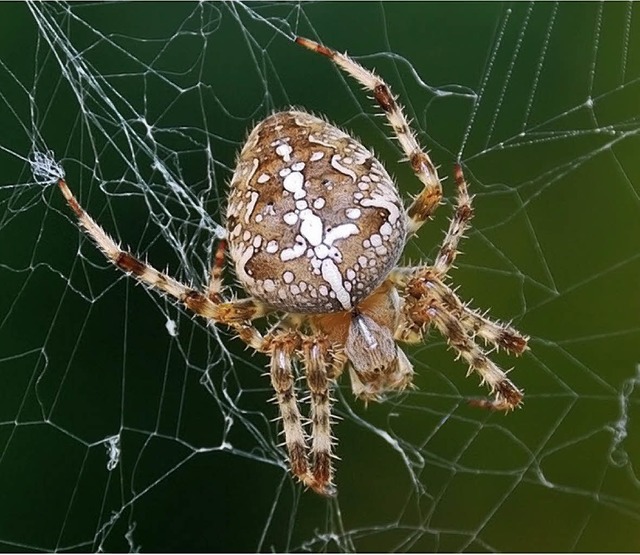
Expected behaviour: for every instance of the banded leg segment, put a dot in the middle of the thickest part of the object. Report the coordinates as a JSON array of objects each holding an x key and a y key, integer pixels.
[
  {"x": 283, "y": 348},
  {"x": 425, "y": 286},
  {"x": 214, "y": 289},
  {"x": 425, "y": 204},
  {"x": 431, "y": 302},
  {"x": 501, "y": 335},
  {"x": 457, "y": 226},
  {"x": 318, "y": 363},
  {"x": 234, "y": 314},
  {"x": 506, "y": 395}
]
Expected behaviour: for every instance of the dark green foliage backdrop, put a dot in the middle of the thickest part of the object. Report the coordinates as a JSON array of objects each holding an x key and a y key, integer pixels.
[{"x": 540, "y": 102}]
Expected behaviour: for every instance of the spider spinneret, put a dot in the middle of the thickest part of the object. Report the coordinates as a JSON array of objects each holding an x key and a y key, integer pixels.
[{"x": 315, "y": 227}]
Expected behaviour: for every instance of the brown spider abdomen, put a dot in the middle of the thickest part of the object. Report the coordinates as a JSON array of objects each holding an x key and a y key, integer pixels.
[{"x": 314, "y": 221}]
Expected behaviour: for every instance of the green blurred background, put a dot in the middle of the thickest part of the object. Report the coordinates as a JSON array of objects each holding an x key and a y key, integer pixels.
[{"x": 540, "y": 102}]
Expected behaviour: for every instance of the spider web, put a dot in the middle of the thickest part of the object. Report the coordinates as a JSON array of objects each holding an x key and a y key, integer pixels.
[{"x": 126, "y": 424}]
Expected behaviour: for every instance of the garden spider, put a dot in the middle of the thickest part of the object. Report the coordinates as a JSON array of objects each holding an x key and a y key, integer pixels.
[{"x": 315, "y": 228}]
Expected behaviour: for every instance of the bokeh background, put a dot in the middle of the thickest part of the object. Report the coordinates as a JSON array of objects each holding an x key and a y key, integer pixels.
[{"x": 145, "y": 106}]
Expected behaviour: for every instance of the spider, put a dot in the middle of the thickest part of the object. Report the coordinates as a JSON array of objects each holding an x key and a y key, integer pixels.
[{"x": 315, "y": 228}]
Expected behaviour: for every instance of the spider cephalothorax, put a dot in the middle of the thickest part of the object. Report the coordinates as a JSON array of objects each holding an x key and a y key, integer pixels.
[{"x": 315, "y": 227}]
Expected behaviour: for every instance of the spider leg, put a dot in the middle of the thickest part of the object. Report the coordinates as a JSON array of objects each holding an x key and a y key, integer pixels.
[
  {"x": 319, "y": 366},
  {"x": 448, "y": 250},
  {"x": 496, "y": 333},
  {"x": 435, "y": 309},
  {"x": 506, "y": 395},
  {"x": 422, "y": 282},
  {"x": 502, "y": 336},
  {"x": 234, "y": 314},
  {"x": 214, "y": 289},
  {"x": 425, "y": 204},
  {"x": 457, "y": 226},
  {"x": 424, "y": 286},
  {"x": 428, "y": 301},
  {"x": 283, "y": 346}
]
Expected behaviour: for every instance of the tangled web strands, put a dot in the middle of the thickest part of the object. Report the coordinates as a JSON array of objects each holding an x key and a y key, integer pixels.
[{"x": 126, "y": 424}]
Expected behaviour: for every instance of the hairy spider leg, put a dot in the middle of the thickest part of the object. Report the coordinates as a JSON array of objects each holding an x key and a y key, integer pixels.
[
  {"x": 499, "y": 334},
  {"x": 430, "y": 301},
  {"x": 458, "y": 225},
  {"x": 425, "y": 204},
  {"x": 318, "y": 363},
  {"x": 283, "y": 347},
  {"x": 506, "y": 395},
  {"x": 234, "y": 314},
  {"x": 214, "y": 289}
]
